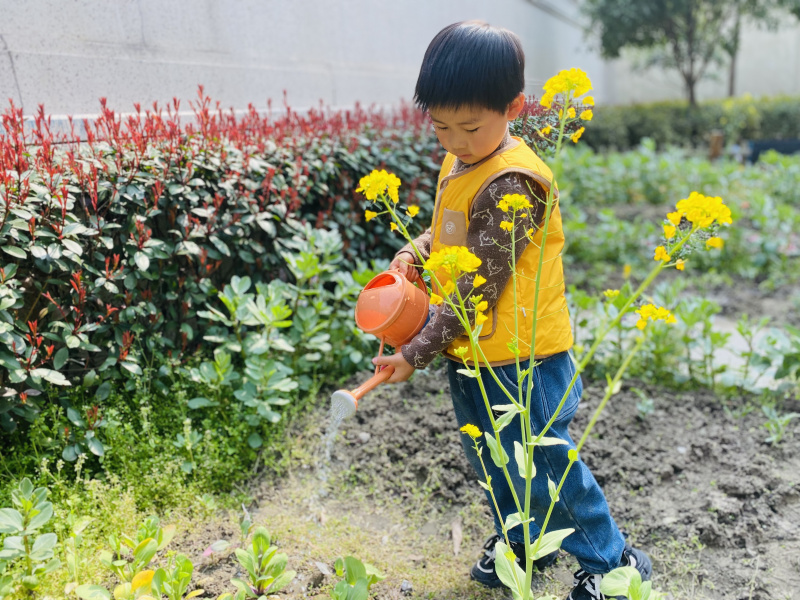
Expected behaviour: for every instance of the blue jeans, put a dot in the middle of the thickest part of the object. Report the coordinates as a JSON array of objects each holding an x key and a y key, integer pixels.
[{"x": 596, "y": 542}]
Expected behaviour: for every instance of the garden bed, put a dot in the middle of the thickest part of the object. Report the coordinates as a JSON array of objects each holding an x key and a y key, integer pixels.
[{"x": 694, "y": 484}]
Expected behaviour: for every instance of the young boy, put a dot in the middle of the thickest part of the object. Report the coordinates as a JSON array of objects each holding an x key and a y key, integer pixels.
[{"x": 471, "y": 83}]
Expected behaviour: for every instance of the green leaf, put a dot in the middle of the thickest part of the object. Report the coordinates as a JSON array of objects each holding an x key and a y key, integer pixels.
[
  {"x": 95, "y": 446},
  {"x": 60, "y": 358},
  {"x": 281, "y": 581},
  {"x": 467, "y": 373},
  {"x": 201, "y": 402},
  {"x": 131, "y": 366},
  {"x": 103, "y": 391},
  {"x": 141, "y": 260},
  {"x": 618, "y": 581},
  {"x": 10, "y": 521},
  {"x": 484, "y": 485},
  {"x": 43, "y": 547},
  {"x": 522, "y": 460},
  {"x": 549, "y": 441},
  {"x": 508, "y": 570},
  {"x": 552, "y": 488},
  {"x": 15, "y": 251},
  {"x": 515, "y": 519},
  {"x": 551, "y": 541},
  {"x": 72, "y": 246},
  {"x": 504, "y": 420},
  {"x": 46, "y": 512},
  {"x": 354, "y": 570},
  {"x": 51, "y": 376},
  {"x": 92, "y": 592},
  {"x": 499, "y": 455},
  {"x": 254, "y": 440}
]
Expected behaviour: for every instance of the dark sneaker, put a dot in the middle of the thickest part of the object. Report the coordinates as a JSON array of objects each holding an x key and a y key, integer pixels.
[
  {"x": 587, "y": 585},
  {"x": 483, "y": 570}
]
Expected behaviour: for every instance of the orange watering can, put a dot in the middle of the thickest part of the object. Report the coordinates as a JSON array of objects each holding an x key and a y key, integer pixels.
[{"x": 394, "y": 310}]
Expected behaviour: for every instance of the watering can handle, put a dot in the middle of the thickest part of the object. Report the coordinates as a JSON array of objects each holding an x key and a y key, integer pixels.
[{"x": 416, "y": 278}]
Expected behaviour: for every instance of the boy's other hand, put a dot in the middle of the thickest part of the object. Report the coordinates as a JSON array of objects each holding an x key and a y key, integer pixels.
[
  {"x": 404, "y": 262},
  {"x": 402, "y": 370}
]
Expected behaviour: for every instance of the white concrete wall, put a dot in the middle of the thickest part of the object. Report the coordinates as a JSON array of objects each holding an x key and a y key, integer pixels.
[{"x": 66, "y": 54}]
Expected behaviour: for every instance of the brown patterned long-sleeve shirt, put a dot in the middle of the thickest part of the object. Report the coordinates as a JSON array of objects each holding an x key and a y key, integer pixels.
[{"x": 487, "y": 241}]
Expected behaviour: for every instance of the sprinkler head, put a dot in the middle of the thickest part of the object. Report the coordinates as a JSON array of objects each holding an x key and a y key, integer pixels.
[{"x": 343, "y": 404}]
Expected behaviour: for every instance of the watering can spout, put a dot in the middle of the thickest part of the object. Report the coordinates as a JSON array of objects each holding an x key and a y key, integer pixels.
[{"x": 344, "y": 403}]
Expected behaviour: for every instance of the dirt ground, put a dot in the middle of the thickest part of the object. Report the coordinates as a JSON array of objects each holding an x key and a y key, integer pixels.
[{"x": 694, "y": 485}]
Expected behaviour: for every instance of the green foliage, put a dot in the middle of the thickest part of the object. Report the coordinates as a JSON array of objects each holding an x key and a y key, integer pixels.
[
  {"x": 173, "y": 582},
  {"x": 265, "y": 567},
  {"x": 673, "y": 123},
  {"x": 358, "y": 579},
  {"x": 130, "y": 556},
  {"x": 112, "y": 246},
  {"x": 24, "y": 546},
  {"x": 627, "y": 582}
]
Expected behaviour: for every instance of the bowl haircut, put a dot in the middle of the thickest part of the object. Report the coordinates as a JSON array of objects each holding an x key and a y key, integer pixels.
[{"x": 471, "y": 64}]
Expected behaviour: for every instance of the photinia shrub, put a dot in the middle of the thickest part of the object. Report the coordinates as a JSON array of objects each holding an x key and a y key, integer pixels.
[{"x": 109, "y": 245}]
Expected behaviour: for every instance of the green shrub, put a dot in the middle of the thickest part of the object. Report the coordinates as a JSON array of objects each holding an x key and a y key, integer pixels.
[{"x": 674, "y": 123}]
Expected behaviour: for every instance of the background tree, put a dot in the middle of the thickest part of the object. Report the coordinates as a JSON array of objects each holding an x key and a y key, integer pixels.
[{"x": 686, "y": 35}]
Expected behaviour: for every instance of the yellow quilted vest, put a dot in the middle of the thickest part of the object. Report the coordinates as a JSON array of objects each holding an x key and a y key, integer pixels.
[{"x": 451, "y": 217}]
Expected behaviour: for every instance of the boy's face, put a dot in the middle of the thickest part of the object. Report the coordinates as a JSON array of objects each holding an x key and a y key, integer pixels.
[{"x": 472, "y": 133}]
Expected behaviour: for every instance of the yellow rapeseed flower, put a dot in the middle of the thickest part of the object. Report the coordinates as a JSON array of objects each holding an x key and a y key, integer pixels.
[
  {"x": 715, "y": 242},
  {"x": 482, "y": 306},
  {"x": 393, "y": 226},
  {"x": 370, "y": 214},
  {"x": 377, "y": 183},
  {"x": 479, "y": 281},
  {"x": 571, "y": 84},
  {"x": 587, "y": 115},
  {"x": 669, "y": 231},
  {"x": 460, "y": 352},
  {"x": 436, "y": 299},
  {"x": 480, "y": 318},
  {"x": 588, "y": 101},
  {"x": 651, "y": 312},
  {"x": 530, "y": 233},
  {"x": 449, "y": 287},
  {"x": 471, "y": 430},
  {"x": 577, "y": 135},
  {"x": 680, "y": 264},
  {"x": 513, "y": 202},
  {"x": 674, "y": 218},
  {"x": 571, "y": 112},
  {"x": 545, "y": 131},
  {"x": 626, "y": 271},
  {"x": 506, "y": 226},
  {"x": 704, "y": 211},
  {"x": 661, "y": 254},
  {"x": 476, "y": 298},
  {"x": 413, "y": 210},
  {"x": 611, "y": 293},
  {"x": 454, "y": 259}
]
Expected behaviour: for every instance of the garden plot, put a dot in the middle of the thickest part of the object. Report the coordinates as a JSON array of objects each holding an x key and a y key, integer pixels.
[{"x": 717, "y": 508}]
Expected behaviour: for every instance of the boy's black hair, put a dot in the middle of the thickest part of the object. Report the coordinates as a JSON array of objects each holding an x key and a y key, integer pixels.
[{"x": 472, "y": 64}]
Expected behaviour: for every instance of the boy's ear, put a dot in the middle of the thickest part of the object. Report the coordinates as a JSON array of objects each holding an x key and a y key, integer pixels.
[{"x": 516, "y": 106}]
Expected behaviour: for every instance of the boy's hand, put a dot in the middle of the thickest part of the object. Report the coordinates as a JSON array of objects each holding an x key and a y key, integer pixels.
[
  {"x": 402, "y": 370},
  {"x": 404, "y": 262}
]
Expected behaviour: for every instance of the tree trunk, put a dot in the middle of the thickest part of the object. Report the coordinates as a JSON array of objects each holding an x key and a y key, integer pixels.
[{"x": 734, "y": 53}]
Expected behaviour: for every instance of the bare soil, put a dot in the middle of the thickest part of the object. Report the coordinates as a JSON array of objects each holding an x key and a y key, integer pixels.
[{"x": 716, "y": 507}]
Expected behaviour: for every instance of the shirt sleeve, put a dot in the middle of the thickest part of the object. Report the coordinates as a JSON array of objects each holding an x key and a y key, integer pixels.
[{"x": 492, "y": 244}]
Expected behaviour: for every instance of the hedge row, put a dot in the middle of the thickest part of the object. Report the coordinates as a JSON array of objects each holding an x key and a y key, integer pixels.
[
  {"x": 675, "y": 123},
  {"x": 109, "y": 248}
]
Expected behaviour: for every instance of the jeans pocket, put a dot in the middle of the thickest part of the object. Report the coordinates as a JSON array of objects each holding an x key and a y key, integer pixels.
[{"x": 552, "y": 380}]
